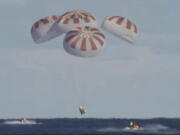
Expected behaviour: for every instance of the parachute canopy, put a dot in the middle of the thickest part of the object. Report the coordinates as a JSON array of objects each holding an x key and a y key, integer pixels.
[
  {"x": 82, "y": 36},
  {"x": 82, "y": 110},
  {"x": 84, "y": 41},
  {"x": 41, "y": 30},
  {"x": 121, "y": 27},
  {"x": 72, "y": 19}
]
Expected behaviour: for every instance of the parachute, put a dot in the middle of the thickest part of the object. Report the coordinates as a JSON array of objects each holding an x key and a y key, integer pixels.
[
  {"x": 41, "y": 30},
  {"x": 121, "y": 27},
  {"x": 82, "y": 110},
  {"x": 84, "y": 41},
  {"x": 82, "y": 37},
  {"x": 72, "y": 19}
]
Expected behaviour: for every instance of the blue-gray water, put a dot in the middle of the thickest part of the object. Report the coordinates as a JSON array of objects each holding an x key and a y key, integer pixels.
[{"x": 90, "y": 126}]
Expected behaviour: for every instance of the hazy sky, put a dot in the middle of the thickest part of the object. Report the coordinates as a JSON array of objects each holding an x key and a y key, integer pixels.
[{"x": 125, "y": 81}]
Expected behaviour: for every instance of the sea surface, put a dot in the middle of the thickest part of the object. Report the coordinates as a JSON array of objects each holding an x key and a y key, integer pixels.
[{"x": 90, "y": 126}]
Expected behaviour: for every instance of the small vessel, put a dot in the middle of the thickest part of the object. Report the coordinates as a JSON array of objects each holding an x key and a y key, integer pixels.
[
  {"x": 22, "y": 121},
  {"x": 134, "y": 125}
]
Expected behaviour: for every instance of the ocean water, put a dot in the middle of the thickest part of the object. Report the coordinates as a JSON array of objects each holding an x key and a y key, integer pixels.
[{"x": 89, "y": 126}]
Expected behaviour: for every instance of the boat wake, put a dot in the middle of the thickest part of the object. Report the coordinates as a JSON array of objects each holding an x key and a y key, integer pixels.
[
  {"x": 155, "y": 127},
  {"x": 133, "y": 129}
]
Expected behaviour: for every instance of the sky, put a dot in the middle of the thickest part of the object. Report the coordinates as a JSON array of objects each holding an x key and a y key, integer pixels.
[{"x": 124, "y": 81}]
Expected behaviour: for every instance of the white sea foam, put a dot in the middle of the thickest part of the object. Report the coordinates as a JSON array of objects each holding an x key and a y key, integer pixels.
[
  {"x": 155, "y": 127},
  {"x": 110, "y": 129}
]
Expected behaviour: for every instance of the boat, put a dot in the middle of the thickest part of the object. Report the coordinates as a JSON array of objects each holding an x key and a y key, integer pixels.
[
  {"x": 134, "y": 126},
  {"x": 22, "y": 121}
]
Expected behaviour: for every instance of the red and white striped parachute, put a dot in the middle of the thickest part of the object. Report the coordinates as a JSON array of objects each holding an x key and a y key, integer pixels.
[
  {"x": 77, "y": 18},
  {"x": 41, "y": 30},
  {"x": 82, "y": 37},
  {"x": 84, "y": 41},
  {"x": 121, "y": 27}
]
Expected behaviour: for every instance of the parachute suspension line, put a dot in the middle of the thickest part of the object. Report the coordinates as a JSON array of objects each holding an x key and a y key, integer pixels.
[
  {"x": 78, "y": 89},
  {"x": 76, "y": 84}
]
